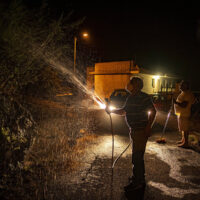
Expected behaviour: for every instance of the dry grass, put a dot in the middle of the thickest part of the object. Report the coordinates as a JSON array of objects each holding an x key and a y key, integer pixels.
[
  {"x": 44, "y": 103},
  {"x": 83, "y": 142},
  {"x": 54, "y": 151},
  {"x": 62, "y": 140},
  {"x": 63, "y": 137}
]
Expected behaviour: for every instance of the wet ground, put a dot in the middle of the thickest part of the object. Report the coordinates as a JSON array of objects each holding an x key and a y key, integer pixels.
[{"x": 172, "y": 173}]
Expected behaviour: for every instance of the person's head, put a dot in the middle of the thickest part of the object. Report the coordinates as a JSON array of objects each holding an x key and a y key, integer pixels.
[
  {"x": 135, "y": 85},
  {"x": 184, "y": 85}
]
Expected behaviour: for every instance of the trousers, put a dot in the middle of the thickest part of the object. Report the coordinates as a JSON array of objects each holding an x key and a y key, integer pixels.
[{"x": 139, "y": 141}]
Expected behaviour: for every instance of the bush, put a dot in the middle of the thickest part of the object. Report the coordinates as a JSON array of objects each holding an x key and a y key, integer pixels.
[{"x": 28, "y": 37}]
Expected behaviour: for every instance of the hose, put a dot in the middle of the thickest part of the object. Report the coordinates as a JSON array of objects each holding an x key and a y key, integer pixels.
[
  {"x": 113, "y": 143},
  {"x": 113, "y": 163},
  {"x": 112, "y": 170},
  {"x": 113, "y": 139}
]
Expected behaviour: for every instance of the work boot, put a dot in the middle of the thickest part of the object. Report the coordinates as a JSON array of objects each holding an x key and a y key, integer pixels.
[
  {"x": 133, "y": 186},
  {"x": 136, "y": 193}
]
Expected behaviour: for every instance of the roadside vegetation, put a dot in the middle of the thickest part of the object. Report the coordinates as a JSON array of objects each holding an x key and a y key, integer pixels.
[{"x": 40, "y": 137}]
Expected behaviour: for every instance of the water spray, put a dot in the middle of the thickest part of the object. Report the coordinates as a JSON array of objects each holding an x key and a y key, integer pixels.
[
  {"x": 76, "y": 80},
  {"x": 97, "y": 99}
]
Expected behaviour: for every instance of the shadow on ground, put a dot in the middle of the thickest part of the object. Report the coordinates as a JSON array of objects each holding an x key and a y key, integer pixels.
[
  {"x": 97, "y": 182},
  {"x": 157, "y": 172}
]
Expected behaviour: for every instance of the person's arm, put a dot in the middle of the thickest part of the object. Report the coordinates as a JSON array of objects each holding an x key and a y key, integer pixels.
[
  {"x": 182, "y": 104},
  {"x": 119, "y": 112}
]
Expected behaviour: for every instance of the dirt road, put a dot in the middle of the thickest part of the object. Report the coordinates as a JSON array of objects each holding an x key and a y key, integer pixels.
[{"x": 172, "y": 173}]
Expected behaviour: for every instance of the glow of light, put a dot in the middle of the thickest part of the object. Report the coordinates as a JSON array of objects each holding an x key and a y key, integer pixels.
[
  {"x": 107, "y": 144},
  {"x": 149, "y": 113},
  {"x": 85, "y": 35},
  {"x": 101, "y": 104},
  {"x": 156, "y": 77},
  {"x": 112, "y": 108},
  {"x": 65, "y": 94}
]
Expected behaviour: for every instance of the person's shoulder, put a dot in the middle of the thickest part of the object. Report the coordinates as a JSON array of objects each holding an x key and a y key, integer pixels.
[
  {"x": 188, "y": 93},
  {"x": 192, "y": 96},
  {"x": 145, "y": 95},
  {"x": 191, "y": 93}
]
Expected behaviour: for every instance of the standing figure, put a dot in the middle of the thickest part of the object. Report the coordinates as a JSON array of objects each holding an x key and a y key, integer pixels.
[
  {"x": 139, "y": 112},
  {"x": 182, "y": 107}
]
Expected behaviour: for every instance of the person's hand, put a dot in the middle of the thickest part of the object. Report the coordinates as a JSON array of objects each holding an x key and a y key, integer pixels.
[
  {"x": 107, "y": 110},
  {"x": 174, "y": 101}
]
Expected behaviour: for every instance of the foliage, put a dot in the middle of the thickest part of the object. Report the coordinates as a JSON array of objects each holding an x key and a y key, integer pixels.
[
  {"x": 27, "y": 38},
  {"x": 32, "y": 154},
  {"x": 57, "y": 150}
]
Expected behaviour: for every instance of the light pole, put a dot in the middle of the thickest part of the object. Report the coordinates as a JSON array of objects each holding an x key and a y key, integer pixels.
[
  {"x": 75, "y": 40},
  {"x": 84, "y": 35}
]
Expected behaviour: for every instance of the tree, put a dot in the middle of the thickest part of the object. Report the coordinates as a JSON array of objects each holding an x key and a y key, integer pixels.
[{"x": 28, "y": 38}]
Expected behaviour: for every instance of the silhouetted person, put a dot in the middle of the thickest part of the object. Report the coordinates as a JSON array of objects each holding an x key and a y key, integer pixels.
[{"x": 136, "y": 109}]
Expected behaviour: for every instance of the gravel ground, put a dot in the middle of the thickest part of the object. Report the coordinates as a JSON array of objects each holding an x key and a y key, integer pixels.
[{"x": 171, "y": 172}]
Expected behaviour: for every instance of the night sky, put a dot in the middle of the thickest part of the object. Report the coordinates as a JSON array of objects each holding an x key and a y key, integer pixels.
[{"x": 163, "y": 37}]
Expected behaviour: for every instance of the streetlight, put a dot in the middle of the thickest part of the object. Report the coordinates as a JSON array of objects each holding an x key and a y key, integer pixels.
[{"x": 84, "y": 35}]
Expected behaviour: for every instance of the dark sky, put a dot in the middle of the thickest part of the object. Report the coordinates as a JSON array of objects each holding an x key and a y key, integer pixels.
[{"x": 164, "y": 37}]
